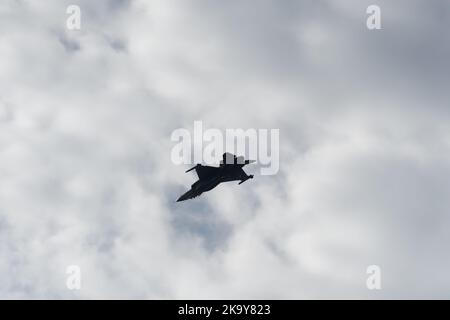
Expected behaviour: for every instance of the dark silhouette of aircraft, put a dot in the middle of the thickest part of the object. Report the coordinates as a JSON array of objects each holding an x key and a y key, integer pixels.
[{"x": 230, "y": 169}]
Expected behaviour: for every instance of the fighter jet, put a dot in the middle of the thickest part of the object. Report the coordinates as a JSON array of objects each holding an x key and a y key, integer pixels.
[{"x": 230, "y": 169}]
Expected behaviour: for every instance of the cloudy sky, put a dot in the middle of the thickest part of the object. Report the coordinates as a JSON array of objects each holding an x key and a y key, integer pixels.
[{"x": 86, "y": 176}]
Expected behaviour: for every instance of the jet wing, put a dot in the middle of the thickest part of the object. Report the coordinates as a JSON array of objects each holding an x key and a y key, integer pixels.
[{"x": 205, "y": 172}]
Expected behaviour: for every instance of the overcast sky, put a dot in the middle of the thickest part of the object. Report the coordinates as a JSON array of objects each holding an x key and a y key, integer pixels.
[{"x": 85, "y": 171}]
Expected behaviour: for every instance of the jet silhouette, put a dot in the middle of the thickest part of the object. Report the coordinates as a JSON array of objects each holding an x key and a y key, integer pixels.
[{"x": 230, "y": 169}]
